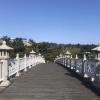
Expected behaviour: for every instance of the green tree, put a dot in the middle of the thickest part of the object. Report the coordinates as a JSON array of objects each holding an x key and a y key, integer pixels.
[{"x": 18, "y": 46}]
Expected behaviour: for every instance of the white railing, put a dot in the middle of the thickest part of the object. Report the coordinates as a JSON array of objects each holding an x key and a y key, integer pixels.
[
  {"x": 19, "y": 64},
  {"x": 12, "y": 67}
]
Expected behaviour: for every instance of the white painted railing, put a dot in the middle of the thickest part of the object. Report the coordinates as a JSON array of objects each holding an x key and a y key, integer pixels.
[
  {"x": 18, "y": 64},
  {"x": 10, "y": 67},
  {"x": 21, "y": 64}
]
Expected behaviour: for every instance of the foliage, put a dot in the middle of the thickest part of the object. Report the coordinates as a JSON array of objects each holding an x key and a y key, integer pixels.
[{"x": 48, "y": 50}]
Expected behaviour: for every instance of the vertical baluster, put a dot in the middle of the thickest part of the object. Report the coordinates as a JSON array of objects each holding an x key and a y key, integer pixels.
[
  {"x": 25, "y": 67},
  {"x": 30, "y": 62}
]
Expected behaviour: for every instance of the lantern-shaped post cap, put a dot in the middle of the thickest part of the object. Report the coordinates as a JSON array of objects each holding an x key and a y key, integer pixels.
[
  {"x": 4, "y": 54},
  {"x": 60, "y": 55},
  {"x": 97, "y": 51},
  {"x": 32, "y": 52},
  {"x": 39, "y": 54},
  {"x": 67, "y": 54},
  {"x": 97, "y": 48},
  {"x": 4, "y": 46}
]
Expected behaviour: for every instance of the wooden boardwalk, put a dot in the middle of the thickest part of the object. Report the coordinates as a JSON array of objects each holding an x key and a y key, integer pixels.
[{"x": 47, "y": 82}]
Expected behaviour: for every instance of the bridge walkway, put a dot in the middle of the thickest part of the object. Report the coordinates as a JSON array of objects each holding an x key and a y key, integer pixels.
[{"x": 47, "y": 82}]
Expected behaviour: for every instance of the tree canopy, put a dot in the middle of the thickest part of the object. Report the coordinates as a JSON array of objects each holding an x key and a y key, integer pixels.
[{"x": 48, "y": 50}]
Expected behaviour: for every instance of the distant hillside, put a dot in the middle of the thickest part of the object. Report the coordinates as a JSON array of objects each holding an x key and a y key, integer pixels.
[{"x": 48, "y": 50}]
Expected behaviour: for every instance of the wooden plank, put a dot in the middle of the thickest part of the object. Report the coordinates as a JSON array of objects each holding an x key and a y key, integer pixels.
[{"x": 47, "y": 82}]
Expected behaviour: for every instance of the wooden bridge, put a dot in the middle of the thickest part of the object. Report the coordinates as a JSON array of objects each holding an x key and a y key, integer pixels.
[{"x": 47, "y": 82}]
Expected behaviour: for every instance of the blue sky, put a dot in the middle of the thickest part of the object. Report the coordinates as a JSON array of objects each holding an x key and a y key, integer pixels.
[{"x": 61, "y": 21}]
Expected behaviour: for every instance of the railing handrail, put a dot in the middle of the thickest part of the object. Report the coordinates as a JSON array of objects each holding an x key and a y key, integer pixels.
[{"x": 22, "y": 64}]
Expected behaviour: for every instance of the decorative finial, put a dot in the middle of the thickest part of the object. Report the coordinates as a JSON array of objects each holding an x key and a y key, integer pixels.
[
  {"x": 84, "y": 57},
  {"x": 4, "y": 43},
  {"x": 39, "y": 54}
]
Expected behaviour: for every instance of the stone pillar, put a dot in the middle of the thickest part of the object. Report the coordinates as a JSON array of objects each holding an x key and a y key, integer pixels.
[
  {"x": 97, "y": 51},
  {"x": 4, "y": 57},
  {"x": 32, "y": 55},
  {"x": 68, "y": 54},
  {"x": 17, "y": 65},
  {"x": 5, "y": 82}
]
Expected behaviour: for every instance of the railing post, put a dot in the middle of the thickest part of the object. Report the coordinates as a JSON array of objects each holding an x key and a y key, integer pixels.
[
  {"x": 4, "y": 57},
  {"x": 30, "y": 62},
  {"x": 43, "y": 60},
  {"x": 76, "y": 56},
  {"x": 65, "y": 60},
  {"x": 17, "y": 66},
  {"x": 34, "y": 60},
  {"x": 25, "y": 66},
  {"x": 83, "y": 69},
  {"x": 84, "y": 58},
  {"x": 5, "y": 82},
  {"x": 71, "y": 57},
  {"x": 32, "y": 57}
]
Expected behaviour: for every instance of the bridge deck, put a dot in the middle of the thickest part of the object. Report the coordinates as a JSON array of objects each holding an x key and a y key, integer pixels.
[{"x": 47, "y": 82}]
